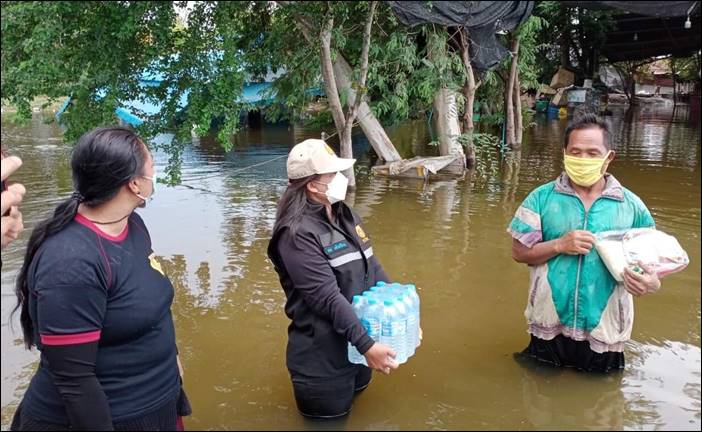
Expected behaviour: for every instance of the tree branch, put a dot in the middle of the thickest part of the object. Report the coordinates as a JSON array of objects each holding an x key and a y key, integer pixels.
[
  {"x": 361, "y": 90},
  {"x": 328, "y": 73}
]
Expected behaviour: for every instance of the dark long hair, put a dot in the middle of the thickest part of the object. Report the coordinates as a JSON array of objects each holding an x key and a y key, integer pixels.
[
  {"x": 292, "y": 204},
  {"x": 103, "y": 160}
]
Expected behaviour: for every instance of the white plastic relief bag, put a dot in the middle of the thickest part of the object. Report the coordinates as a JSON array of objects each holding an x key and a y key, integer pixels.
[{"x": 652, "y": 250}]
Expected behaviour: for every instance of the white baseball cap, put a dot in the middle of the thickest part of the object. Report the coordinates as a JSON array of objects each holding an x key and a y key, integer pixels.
[{"x": 314, "y": 156}]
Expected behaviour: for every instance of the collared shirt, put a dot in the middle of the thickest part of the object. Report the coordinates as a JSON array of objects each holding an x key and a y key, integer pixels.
[
  {"x": 321, "y": 267},
  {"x": 570, "y": 294}
]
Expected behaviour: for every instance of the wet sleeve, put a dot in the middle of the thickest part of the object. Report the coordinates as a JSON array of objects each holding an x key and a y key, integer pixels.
[
  {"x": 313, "y": 277},
  {"x": 69, "y": 320},
  {"x": 526, "y": 223},
  {"x": 73, "y": 370}
]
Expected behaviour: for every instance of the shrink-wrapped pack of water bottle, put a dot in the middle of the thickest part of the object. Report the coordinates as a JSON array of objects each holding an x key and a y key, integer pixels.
[{"x": 390, "y": 314}]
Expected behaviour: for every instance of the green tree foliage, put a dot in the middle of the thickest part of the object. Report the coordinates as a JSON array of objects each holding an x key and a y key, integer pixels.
[
  {"x": 574, "y": 38},
  {"x": 401, "y": 83},
  {"x": 96, "y": 52},
  {"x": 687, "y": 69},
  {"x": 530, "y": 65}
]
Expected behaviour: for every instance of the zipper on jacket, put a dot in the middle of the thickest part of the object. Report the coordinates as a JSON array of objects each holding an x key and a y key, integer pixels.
[
  {"x": 580, "y": 258},
  {"x": 577, "y": 277}
]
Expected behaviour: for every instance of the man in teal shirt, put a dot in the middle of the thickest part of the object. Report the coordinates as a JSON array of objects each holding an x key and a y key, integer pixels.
[{"x": 578, "y": 314}]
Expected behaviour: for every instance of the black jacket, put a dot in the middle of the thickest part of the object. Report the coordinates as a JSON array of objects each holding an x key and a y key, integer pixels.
[{"x": 321, "y": 268}]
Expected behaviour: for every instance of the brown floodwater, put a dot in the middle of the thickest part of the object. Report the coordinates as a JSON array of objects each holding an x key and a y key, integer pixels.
[{"x": 447, "y": 237}]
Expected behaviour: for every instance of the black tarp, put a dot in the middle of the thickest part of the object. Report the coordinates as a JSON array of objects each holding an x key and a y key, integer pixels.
[
  {"x": 646, "y": 29},
  {"x": 647, "y": 8},
  {"x": 482, "y": 19}
]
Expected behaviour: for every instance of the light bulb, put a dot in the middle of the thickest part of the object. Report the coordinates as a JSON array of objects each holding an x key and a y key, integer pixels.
[{"x": 688, "y": 24}]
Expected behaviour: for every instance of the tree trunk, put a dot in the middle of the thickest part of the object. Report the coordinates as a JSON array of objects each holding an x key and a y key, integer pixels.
[
  {"x": 353, "y": 106},
  {"x": 632, "y": 86},
  {"x": 469, "y": 89},
  {"x": 447, "y": 124},
  {"x": 370, "y": 125},
  {"x": 565, "y": 41},
  {"x": 448, "y": 128},
  {"x": 330, "y": 88},
  {"x": 626, "y": 79},
  {"x": 675, "y": 85},
  {"x": 332, "y": 93},
  {"x": 344, "y": 121},
  {"x": 342, "y": 73},
  {"x": 346, "y": 151},
  {"x": 519, "y": 129},
  {"x": 509, "y": 91}
]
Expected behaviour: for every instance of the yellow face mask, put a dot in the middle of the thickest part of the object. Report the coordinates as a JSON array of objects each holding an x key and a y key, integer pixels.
[{"x": 584, "y": 171}]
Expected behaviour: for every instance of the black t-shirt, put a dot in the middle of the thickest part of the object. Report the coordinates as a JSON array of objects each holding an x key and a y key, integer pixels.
[{"x": 86, "y": 286}]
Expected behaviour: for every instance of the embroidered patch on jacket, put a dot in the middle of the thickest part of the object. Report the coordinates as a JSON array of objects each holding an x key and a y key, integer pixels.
[
  {"x": 336, "y": 247},
  {"x": 155, "y": 264},
  {"x": 361, "y": 234}
]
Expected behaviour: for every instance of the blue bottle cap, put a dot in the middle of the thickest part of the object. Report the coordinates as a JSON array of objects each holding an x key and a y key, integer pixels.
[
  {"x": 372, "y": 301},
  {"x": 379, "y": 283},
  {"x": 388, "y": 302}
]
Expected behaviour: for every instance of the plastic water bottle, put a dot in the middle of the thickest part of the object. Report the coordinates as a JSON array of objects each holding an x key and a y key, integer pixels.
[
  {"x": 372, "y": 317},
  {"x": 388, "y": 291},
  {"x": 395, "y": 286},
  {"x": 412, "y": 290},
  {"x": 406, "y": 342},
  {"x": 393, "y": 330},
  {"x": 358, "y": 304},
  {"x": 412, "y": 328}
]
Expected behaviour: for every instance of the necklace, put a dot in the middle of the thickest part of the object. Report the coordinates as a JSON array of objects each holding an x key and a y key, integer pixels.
[{"x": 108, "y": 223}]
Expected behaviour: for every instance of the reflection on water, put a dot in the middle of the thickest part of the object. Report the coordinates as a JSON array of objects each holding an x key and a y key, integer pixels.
[
  {"x": 599, "y": 403},
  {"x": 448, "y": 237}
]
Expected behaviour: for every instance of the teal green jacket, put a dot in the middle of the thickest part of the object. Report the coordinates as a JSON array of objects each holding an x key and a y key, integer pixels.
[{"x": 575, "y": 295}]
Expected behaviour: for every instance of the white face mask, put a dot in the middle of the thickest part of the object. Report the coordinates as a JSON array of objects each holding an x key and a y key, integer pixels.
[
  {"x": 153, "y": 191},
  {"x": 336, "y": 189}
]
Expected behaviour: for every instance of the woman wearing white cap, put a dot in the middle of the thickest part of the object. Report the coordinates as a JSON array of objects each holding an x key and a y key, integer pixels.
[{"x": 324, "y": 257}]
